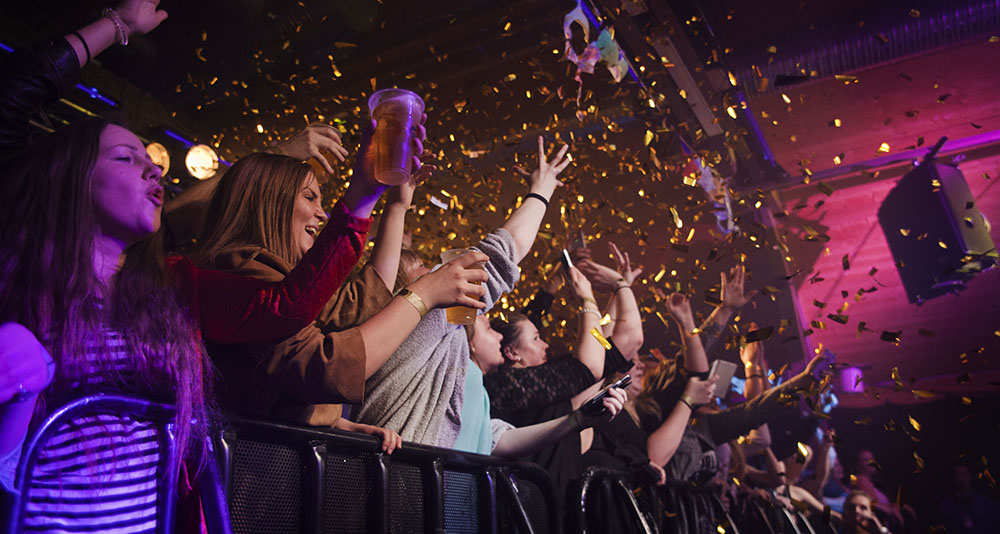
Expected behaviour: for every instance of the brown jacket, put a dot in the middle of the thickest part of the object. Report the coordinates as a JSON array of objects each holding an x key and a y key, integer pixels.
[{"x": 300, "y": 378}]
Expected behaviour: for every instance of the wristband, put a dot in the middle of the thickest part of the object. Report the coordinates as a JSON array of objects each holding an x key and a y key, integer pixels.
[
  {"x": 591, "y": 310},
  {"x": 686, "y": 399},
  {"x": 83, "y": 42},
  {"x": 756, "y": 375},
  {"x": 619, "y": 288},
  {"x": 588, "y": 299},
  {"x": 538, "y": 197},
  {"x": 121, "y": 29},
  {"x": 574, "y": 420},
  {"x": 415, "y": 300}
]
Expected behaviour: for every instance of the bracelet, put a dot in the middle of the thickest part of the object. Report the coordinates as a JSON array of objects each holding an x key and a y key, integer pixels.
[
  {"x": 621, "y": 288},
  {"x": 415, "y": 300},
  {"x": 756, "y": 375},
  {"x": 686, "y": 399},
  {"x": 121, "y": 29},
  {"x": 83, "y": 42},
  {"x": 539, "y": 197},
  {"x": 594, "y": 311},
  {"x": 588, "y": 299}
]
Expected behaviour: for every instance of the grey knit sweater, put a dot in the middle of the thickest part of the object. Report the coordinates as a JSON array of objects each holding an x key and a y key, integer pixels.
[{"x": 418, "y": 392}]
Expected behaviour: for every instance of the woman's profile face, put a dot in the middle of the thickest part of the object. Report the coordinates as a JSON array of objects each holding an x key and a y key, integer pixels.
[
  {"x": 307, "y": 215},
  {"x": 529, "y": 347},
  {"x": 485, "y": 345},
  {"x": 126, "y": 192}
]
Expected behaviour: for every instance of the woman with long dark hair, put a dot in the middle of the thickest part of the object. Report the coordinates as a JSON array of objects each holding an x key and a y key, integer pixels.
[{"x": 68, "y": 289}]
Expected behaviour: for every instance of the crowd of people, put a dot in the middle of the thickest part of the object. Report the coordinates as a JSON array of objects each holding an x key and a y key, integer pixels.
[{"x": 268, "y": 315}]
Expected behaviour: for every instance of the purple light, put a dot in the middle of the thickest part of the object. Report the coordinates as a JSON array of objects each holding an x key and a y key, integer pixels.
[{"x": 851, "y": 380}]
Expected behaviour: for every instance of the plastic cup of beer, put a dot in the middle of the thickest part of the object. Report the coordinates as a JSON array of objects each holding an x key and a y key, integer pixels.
[
  {"x": 461, "y": 314},
  {"x": 397, "y": 113}
]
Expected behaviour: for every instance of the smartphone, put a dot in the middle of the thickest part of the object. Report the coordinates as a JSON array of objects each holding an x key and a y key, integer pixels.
[
  {"x": 596, "y": 403},
  {"x": 567, "y": 263},
  {"x": 724, "y": 370}
]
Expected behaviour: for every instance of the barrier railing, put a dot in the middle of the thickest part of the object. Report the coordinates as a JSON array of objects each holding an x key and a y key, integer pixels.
[{"x": 282, "y": 478}]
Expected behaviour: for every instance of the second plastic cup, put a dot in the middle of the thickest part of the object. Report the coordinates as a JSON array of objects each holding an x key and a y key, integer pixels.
[
  {"x": 396, "y": 112},
  {"x": 460, "y": 314}
]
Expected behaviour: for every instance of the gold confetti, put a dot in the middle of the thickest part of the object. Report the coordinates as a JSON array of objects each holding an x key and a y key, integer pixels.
[
  {"x": 914, "y": 423},
  {"x": 884, "y": 148},
  {"x": 785, "y": 98}
]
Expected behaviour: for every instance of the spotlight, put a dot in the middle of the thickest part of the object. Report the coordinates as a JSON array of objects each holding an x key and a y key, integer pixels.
[
  {"x": 158, "y": 153},
  {"x": 202, "y": 162}
]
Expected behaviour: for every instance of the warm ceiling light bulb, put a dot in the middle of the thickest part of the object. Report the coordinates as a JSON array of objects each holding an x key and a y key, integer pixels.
[
  {"x": 158, "y": 153},
  {"x": 202, "y": 162}
]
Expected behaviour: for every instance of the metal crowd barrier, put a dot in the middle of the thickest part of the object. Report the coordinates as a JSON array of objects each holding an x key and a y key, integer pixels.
[{"x": 288, "y": 479}]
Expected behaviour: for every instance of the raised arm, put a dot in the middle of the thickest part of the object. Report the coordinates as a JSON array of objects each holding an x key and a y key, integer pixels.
[
  {"x": 693, "y": 353},
  {"x": 524, "y": 221},
  {"x": 755, "y": 366},
  {"x": 41, "y": 73},
  {"x": 523, "y": 441},
  {"x": 663, "y": 442},
  {"x": 626, "y": 322},
  {"x": 389, "y": 239},
  {"x": 588, "y": 349},
  {"x": 733, "y": 298}
]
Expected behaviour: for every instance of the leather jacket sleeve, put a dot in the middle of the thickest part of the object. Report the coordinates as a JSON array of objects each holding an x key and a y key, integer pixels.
[{"x": 31, "y": 77}]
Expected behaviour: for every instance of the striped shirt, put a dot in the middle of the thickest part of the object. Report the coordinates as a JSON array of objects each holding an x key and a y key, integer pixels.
[{"x": 97, "y": 473}]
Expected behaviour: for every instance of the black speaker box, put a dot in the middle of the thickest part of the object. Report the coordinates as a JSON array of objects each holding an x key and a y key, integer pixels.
[{"x": 937, "y": 235}]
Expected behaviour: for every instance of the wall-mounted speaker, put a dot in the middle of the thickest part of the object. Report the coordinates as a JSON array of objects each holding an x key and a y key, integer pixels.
[{"x": 938, "y": 237}]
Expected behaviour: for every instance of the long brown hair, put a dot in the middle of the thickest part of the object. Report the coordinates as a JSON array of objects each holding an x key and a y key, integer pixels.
[
  {"x": 252, "y": 205},
  {"x": 48, "y": 228}
]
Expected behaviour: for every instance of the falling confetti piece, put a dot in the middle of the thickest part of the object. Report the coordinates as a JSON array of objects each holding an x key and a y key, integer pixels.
[
  {"x": 914, "y": 423},
  {"x": 890, "y": 337},
  {"x": 845, "y": 262}
]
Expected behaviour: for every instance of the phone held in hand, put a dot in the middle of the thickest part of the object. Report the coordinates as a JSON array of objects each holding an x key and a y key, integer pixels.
[
  {"x": 724, "y": 370},
  {"x": 596, "y": 403},
  {"x": 567, "y": 263}
]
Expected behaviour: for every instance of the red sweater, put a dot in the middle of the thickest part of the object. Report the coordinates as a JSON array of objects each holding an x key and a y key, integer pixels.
[{"x": 231, "y": 308}]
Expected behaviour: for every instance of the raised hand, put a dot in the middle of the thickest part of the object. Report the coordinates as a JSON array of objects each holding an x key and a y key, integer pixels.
[
  {"x": 580, "y": 285},
  {"x": 733, "y": 296},
  {"x": 141, "y": 16},
  {"x": 456, "y": 283},
  {"x": 624, "y": 265},
  {"x": 603, "y": 278},
  {"x": 25, "y": 366},
  {"x": 311, "y": 142},
  {"x": 701, "y": 391},
  {"x": 679, "y": 308},
  {"x": 402, "y": 194},
  {"x": 545, "y": 179}
]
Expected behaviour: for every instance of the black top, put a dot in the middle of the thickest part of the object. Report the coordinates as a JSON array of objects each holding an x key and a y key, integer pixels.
[
  {"x": 525, "y": 396},
  {"x": 29, "y": 78}
]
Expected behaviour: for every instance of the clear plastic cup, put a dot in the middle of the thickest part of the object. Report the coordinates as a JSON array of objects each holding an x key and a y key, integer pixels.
[
  {"x": 396, "y": 113},
  {"x": 461, "y": 314}
]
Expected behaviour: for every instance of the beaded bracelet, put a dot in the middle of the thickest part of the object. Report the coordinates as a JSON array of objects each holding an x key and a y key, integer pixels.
[{"x": 121, "y": 29}]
